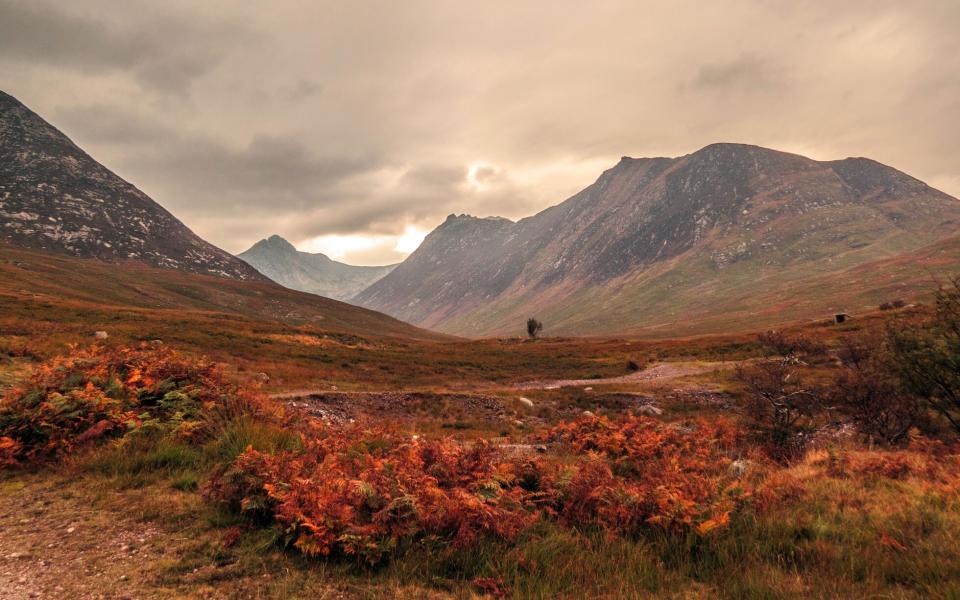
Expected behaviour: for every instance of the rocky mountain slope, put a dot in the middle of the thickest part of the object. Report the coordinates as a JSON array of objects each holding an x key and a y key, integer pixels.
[
  {"x": 728, "y": 236},
  {"x": 277, "y": 258},
  {"x": 54, "y": 196}
]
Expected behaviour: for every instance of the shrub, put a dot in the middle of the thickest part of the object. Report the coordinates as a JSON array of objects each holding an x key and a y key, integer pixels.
[
  {"x": 362, "y": 492},
  {"x": 871, "y": 395},
  {"x": 782, "y": 409},
  {"x": 640, "y": 473},
  {"x": 367, "y": 492},
  {"x": 75, "y": 401},
  {"x": 534, "y": 327},
  {"x": 927, "y": 360}
]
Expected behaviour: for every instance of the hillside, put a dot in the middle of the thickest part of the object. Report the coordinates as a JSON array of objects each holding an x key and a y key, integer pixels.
[
  {"x": 277, "y": 258},
  {"x": 727, "y": 237},
  {"x": 35, "y": 281},
  {"x": 54, "y": 196}
]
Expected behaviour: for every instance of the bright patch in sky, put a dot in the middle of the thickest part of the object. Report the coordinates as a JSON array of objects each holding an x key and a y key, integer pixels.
[
  {"x": 360, "y": 249},
  {"x": 410, "y": 240},
  {"x": 338, "y": 246}
]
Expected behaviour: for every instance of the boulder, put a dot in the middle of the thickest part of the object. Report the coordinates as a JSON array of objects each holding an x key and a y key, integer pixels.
[{"x": 649, "y": 410}]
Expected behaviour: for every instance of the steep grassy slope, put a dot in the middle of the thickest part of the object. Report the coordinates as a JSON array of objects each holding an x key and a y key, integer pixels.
[
  {"x": 46, "y": 277},
  {"x": 731, "y": 236},
  {"x": 50, "y": 301}
]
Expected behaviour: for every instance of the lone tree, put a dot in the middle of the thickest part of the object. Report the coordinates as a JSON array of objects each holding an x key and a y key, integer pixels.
[{"x": 533, "y": 327}]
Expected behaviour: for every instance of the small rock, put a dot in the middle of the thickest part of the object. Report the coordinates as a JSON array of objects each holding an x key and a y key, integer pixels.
[
  {"x": 588, "y": 389},
  {"x": 518, "y": 423},
  {"x": 71, "y": 529},
  {"x": 262, "y": 377},
  {"x": 540, "y": 448},
  {"x": 525, "y": 401},
  {"x": 124, "y": 577},
  {"x": 740, "y": 467},
  {"x": 650, "y": 410},
  {"x": 101, "y": 335},
  {"x": 16, "y": 555},
  {"x": 587, "y": 413},
  {"x": 124, "y": 548}
]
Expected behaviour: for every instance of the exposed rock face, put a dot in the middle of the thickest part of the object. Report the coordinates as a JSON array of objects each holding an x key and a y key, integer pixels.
[
  {"x": 54, "y": 196},
  {"x": 661, "y": 241},
  {"x": 276, "y": 258}
]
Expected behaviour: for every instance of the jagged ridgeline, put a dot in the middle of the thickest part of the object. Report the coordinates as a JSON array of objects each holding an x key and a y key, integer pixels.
[
  {"x": 54, "y": 196},
  {"x": 729, "y": 236}
]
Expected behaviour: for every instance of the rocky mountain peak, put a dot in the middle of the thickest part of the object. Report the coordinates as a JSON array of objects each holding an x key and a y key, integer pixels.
[
  {"x": 54, "y": 196},
  {"x": 276, "y": 243},
  {"x": 650, "y": 232},
  {"x": 315, "y": 273}
]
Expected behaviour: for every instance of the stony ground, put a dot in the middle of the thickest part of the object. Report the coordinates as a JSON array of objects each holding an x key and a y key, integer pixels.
[{"x": 56, "y": 545}]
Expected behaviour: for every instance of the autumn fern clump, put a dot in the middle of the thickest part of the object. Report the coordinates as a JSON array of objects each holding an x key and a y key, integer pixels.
[
  {"x": 640, "y": 473},
  {"x": 89, "y": 395},
  {"x": 363, "y": 492},
  {"x": 367, "y": 492}
]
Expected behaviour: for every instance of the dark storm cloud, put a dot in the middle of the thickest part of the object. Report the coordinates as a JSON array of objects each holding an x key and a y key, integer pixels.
[
  {"x": 335, "y": 119},
  {"x": 269, "y": 171},
  {"x": 278, "y": 166},
  {"x": 165, "y": 53}
]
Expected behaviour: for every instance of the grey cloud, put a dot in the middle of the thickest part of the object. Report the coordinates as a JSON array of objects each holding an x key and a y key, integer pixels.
[
  {"x": 742, "y": 73},
  {"x": 272, "y": 165},
  {"x": 302, "y": 90},
  {"x": 304, "y": 119},
  {"x": 164, "y": 52}
]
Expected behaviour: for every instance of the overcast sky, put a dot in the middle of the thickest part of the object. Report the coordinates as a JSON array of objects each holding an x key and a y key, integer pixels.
[{"x": 354, "y": 128}]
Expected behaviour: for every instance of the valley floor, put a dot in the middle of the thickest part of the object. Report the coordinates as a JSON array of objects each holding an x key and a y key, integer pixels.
[{"x": 122, "y": 520}]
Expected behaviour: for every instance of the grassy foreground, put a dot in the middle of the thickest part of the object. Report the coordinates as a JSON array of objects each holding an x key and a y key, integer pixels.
[{"x": 166, "y": 476}]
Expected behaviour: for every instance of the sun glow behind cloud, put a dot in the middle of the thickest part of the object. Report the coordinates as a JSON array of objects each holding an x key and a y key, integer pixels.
[{"x": 362, "y": 249}]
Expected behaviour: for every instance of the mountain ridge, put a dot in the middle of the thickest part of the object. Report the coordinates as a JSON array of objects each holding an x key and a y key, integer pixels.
[
  {"x": 54, "y": 196},
  {"x": 724, "y": 211},
  {"x": 316, "y": 273}
]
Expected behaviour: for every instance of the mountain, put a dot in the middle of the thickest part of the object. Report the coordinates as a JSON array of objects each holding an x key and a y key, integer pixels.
[
  {"x": 43, "y": 291},
  {"x": 730, "y": 236},
  {"x": 276, "y": 258},
  {"x": 54, "y": 196}
]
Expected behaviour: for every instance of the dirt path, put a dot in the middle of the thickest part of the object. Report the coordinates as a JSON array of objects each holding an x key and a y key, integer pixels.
[
  {"x": 55, "y": 545},
  {"x": 660, "y": 372}
]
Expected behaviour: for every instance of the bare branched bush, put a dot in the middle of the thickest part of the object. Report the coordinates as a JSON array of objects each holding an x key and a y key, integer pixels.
[
  {"x": 927, "y": 359},
  {"x": 534, "y": 327},
  {"x": 782, "y": 409},
  {"x": 869, "y": 392}
]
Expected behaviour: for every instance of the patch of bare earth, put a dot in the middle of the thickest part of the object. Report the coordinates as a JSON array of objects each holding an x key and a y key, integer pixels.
[
  {"x": 57, "y": 545},
  {"x": 662, "y": 371}
]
